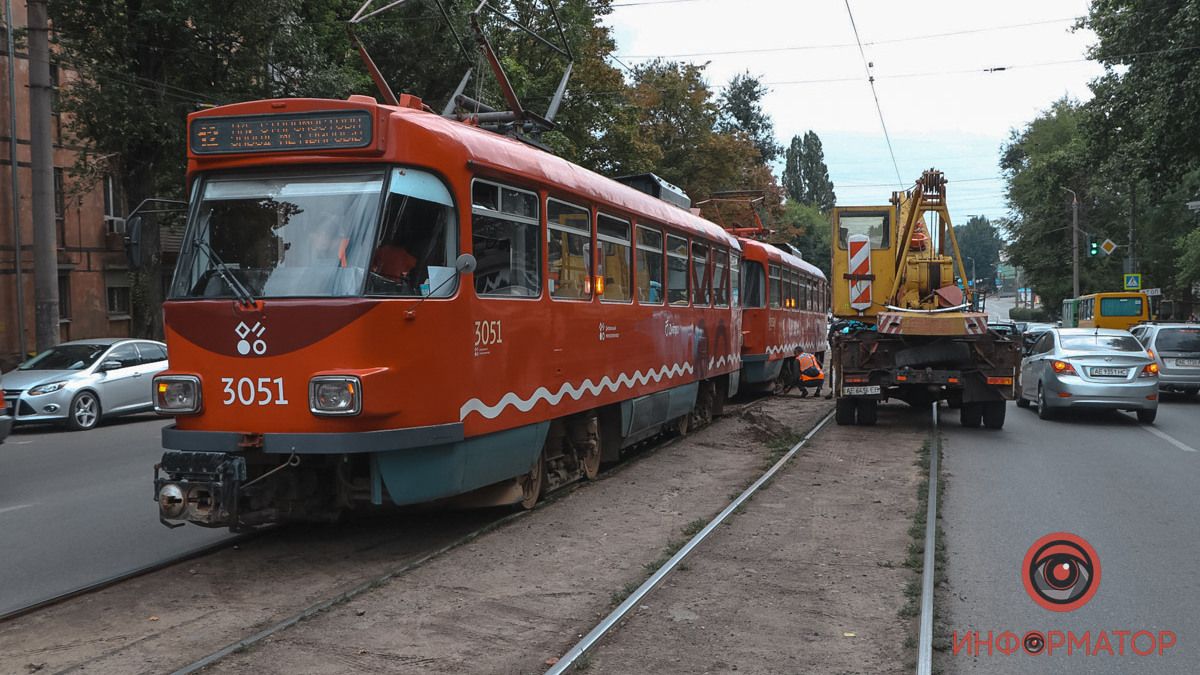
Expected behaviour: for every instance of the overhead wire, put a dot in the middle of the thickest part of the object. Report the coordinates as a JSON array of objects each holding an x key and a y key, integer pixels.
[
  {"x": 842, "y": 45},
  {"x": 874, "y": 94}
]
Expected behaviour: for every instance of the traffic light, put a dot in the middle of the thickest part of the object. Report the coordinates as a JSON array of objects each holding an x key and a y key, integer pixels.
[{"x": 1093, "y": 247}]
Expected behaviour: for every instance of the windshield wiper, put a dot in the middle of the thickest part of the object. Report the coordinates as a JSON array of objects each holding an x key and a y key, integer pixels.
[{"x": 240, "y": 292}]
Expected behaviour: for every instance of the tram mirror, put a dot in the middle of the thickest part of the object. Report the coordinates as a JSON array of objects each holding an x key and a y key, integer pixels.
[
  {"x": 133, "y": 241},
  {"x": 465, "y": 263}
]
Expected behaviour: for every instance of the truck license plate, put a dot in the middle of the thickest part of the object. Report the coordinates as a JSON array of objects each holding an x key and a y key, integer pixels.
[
  {"x": 1109, "y": 372},
  {"x": 860, "y": 391},
  {"x": 1187, "y": 363}
]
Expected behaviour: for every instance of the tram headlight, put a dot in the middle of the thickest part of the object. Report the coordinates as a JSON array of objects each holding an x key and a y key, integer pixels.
[
  {"x": 335, "y": 395},
  {"x": 177, "y": 394}
]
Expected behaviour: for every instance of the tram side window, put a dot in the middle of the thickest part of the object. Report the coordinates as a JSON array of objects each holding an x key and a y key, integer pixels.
[
  {"x": 793, "y": 289},
  {"x": 649, "y": 266},
  {"x": 776, "y": 287},
  {"x": 569, "y": 237},
  {"x": 700, "y": 275},
  {"x": 753, "y": 284},
  {"x": 505, "y": 240},
  {"x": 416, "y": 239},
  {"x": 612, "y": 238},
  {"x": 677, "y": 270},
  {"x": 721, "y": 278},
  {"x": 735, "y": 279},
  {"x": 806, "y": 293}
]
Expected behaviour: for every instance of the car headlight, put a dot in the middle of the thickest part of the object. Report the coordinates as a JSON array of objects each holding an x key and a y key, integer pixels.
[
  {"x": 47, "y": 388},
  {"x": 335, "y": 395},
  {"x": 177, "y": 394}
]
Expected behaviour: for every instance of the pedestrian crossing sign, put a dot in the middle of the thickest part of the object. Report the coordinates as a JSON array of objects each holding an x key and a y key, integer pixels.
[{"x": 1133, "y": 282}]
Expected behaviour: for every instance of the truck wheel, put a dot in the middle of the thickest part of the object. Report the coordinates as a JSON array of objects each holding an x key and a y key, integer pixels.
[
  {"x": 954, "y": 400},
  {"x": 868, "y": 411},
  {"x": 843, "y": 412},
  {"x": 1022, "y": 402},
  {"x": 993, "y": 414},
  {"x": 970, "y": 414}
]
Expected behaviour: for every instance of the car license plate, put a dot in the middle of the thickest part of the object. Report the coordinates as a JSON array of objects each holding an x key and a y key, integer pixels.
[
  {"x": 860, "y": 391},
  {"x": 1109, "y": 372},
  {"x": 1187, "y": 363}
]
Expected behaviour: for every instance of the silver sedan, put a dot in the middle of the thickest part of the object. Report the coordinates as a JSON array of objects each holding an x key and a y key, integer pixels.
[
  {"x": 81, "y": 382},
  {"x": 1089, "y": 368}
]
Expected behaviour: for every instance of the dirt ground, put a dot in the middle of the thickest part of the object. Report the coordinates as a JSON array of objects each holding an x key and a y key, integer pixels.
[
  {"x": 786, "y": 571},
  {"x": 808, "y": 578}
]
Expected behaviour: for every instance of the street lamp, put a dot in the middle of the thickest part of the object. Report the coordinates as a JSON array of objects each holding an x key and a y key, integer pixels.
[{"x": 1074, "y": 242}]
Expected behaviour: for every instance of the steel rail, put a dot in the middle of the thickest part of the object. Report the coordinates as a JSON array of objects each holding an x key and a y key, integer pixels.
[
  {"x": 925, "y": 638},
  {"x": 126, "y": 576},
  {"x": 588, "y": 641}
]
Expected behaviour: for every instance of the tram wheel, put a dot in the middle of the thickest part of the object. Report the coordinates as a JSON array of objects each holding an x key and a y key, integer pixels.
[
  {"x": 591, "y": 457},
  {"x": 532, "y": 482}
]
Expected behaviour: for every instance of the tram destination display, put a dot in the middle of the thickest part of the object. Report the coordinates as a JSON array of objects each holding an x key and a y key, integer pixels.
[{"x": 327, "y": 130}]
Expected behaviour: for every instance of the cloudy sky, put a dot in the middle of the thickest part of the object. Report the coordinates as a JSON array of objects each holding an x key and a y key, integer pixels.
[{"x": 942, "y": 108}]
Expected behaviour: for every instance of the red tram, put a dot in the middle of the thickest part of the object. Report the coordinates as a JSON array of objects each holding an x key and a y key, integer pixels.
[
  {"x": 785, "y": 304},
  {"x": 375, "y": 304}
]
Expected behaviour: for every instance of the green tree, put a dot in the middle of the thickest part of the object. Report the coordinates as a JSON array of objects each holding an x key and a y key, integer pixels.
[
  {"x": 980, "y": 240},
  {"x": 808, "y": 229},
  {"x": 805, "y": 176},
  {"x": 741, "y": 111},
  {"x": 145, "y": 64}
]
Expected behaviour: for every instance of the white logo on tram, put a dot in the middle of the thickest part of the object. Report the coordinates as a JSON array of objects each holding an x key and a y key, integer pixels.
[{"x": 250, "y": 338}]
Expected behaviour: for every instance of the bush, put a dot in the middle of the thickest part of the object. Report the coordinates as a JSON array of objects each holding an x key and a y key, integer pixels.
[{"x": 1030, "y": 314}]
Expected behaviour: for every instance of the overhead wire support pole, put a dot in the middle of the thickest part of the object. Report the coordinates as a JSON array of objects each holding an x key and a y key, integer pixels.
[
  {"x": 1074, "y": 242},
  {"x": 14, "y": 180},
  {"x": 874, "y": 94}
]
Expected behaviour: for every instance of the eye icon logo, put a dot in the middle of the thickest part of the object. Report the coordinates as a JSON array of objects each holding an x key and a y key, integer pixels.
[
  {"x": 250, "y": 338},
  {"x": 1061, "y": 572}
]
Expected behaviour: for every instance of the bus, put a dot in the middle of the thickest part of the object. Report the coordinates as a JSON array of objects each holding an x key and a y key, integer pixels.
[
  {"x": 1111, "y": 310},
  {"x": 1070, "y": 313}
]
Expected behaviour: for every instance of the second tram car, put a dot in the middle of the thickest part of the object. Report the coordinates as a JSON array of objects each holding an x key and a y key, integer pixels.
[{"x": 784, "y": 303}]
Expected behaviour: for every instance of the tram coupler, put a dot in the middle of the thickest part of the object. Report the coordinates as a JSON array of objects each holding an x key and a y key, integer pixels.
[{"x": 198, "y": 487}]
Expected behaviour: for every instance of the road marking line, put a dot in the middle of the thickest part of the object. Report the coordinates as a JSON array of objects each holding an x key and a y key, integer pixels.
[
  {"x": 1163, "y": 435},
  {"x": 18, "y": 507}
]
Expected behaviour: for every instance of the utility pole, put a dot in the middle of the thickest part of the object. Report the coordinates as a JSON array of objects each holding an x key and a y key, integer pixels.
[
  {"x": 15, "y": 181},
  {"x": 1074, "y": 242},
  {"x": 1130, "y": 258},
  {"x": 45, "y": 244}
]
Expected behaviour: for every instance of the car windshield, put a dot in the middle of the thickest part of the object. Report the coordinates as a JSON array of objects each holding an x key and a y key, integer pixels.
[
  {"x": 1178, "y": 340},
  {"x": 297, "y": 235},
  {"x": 1100, "y": 343},
  {"x": 65, "y": 357}
]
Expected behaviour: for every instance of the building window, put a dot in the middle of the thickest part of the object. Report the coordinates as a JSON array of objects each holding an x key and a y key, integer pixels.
[
  {"x": 116, "y": 283},
  {"x": 112, "y": 221},
  {"x": 60, "y": 206},
  {"x": 54, "y": 82},
  {"x": 505, "y": 241},
  {"x": 64, "y": 296}
]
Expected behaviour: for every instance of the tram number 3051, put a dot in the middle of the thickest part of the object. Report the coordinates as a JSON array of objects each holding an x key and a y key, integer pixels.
[
  {"x": 253, "y": 391},
  {"x": 487, "y": 333}
]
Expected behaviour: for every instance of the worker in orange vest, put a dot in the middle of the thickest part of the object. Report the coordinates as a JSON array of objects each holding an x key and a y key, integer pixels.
[{"x": 811, "y": 374}]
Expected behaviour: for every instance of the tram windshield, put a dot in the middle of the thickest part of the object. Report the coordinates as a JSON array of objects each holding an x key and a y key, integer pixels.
[{"x": 318, "y": 235}]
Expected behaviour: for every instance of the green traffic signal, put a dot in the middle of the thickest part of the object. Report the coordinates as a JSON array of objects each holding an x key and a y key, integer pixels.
[{"x": 1093, "y": 248}]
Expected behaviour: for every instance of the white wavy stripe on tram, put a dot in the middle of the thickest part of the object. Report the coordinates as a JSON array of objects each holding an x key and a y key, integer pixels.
[{"x": 576, "y": 392}]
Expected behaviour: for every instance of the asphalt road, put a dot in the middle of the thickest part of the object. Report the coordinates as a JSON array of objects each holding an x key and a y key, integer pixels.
[
  {"x": 1130, "y": 490},
  {"x": 78, "y": 507}
]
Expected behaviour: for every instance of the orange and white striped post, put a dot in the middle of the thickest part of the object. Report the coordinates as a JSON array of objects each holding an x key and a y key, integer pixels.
[{"x": 859, "y": 250}]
